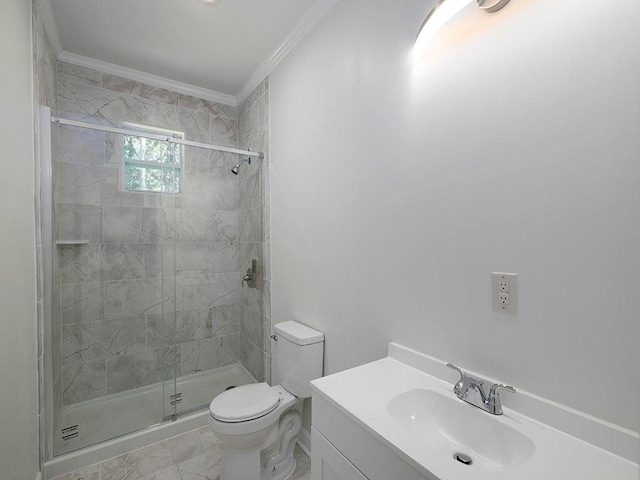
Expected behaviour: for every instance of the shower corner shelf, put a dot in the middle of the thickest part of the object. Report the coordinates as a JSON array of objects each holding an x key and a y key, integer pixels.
[{"x": 72, "y": 242}]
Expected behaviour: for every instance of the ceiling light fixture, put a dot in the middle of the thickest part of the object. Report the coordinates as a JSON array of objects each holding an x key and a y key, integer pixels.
[
  {"x": 444, "y": 10},
  {"x": 209, "y": 3}
]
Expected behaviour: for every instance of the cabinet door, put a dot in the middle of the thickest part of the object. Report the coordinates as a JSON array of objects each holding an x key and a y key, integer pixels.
[{"x": 327, "y": 463}]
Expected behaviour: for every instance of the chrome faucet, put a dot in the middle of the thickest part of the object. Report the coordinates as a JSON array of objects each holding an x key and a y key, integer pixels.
[{"x": 472, "y": 391}]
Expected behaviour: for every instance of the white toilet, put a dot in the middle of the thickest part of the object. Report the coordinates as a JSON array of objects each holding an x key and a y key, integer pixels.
[{"x": 258, "y": 424}]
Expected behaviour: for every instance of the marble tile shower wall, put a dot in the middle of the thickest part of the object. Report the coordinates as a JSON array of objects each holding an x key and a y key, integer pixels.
[
  {"x": 113, "y": 335},
  {"x": 255, "y": 328}
]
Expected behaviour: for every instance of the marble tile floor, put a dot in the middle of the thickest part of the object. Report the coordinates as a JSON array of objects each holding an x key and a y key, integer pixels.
[{"x": 194, "y": 455}]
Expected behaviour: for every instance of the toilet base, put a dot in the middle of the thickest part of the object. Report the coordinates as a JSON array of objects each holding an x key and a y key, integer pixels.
[
  {"x": 240, "y": 463},
  {"x": 282, "y": 472},
  {"x": 263, "y": 455},
  {"x": 244, "y": 464},
  {"x": 277, "y": 462}
]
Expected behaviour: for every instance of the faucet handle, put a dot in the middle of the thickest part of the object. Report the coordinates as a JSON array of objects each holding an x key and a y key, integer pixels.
[
  {"x": 494, "y": 405},
  {"x": 460, "y": 383},
  {"x": 498, "y": 386},
  {"x": 460, "y": 371}
]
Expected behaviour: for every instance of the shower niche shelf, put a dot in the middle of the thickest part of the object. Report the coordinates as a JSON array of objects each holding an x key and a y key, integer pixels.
[{"x": 72, "y": 242}]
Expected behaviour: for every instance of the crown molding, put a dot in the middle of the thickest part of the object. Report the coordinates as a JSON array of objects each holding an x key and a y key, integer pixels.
[
  {"x": 49, "y": 22},
  {"x": 310, "y": 19},
  {"x": 306, "y": 23},
  {"x": 149, "y": 79}
]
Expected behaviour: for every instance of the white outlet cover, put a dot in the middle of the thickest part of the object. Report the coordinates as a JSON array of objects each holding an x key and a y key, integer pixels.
[{"x": 512, "y": 280}]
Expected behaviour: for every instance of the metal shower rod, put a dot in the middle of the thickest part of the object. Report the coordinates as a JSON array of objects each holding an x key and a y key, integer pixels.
[{"x": 166, "y": 138}]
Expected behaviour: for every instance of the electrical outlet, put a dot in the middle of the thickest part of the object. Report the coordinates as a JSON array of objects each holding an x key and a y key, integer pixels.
[{"x": 504, "y": 292}]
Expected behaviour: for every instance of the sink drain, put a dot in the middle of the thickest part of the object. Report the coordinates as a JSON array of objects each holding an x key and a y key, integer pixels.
[{"x": 462, "y": 458}]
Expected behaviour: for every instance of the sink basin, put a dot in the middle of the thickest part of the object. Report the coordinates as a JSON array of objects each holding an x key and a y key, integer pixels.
[{"x": 449, "y": 426}]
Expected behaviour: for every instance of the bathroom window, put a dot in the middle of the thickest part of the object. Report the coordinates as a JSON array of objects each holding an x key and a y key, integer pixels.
[{"x": 152, "y": 165}]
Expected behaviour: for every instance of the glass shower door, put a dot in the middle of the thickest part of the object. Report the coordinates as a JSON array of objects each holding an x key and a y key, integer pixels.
[
  {"x": 154, "y": 166},
  {"x": 113, "y": 291},
  {"x": 172, "y": 187},
  {"x": 214, "y": 247}
]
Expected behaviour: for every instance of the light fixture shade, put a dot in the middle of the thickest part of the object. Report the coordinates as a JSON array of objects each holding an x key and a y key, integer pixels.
[
  {"x": 438, "y": 16},
  {"x": 443, "y": 11},
  {"x": 492, "y": 5}
]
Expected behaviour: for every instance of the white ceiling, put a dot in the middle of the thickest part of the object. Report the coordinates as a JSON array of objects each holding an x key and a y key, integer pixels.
[{"x": 214, "y": 48}]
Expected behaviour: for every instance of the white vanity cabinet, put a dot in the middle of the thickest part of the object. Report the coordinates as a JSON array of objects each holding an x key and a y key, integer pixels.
[
  {"x": 343, "y": 450},
  {"x": 327, "y": 463}
]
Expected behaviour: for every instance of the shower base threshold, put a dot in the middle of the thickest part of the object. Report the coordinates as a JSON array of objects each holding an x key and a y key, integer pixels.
[{"x": 105, "y": 425}]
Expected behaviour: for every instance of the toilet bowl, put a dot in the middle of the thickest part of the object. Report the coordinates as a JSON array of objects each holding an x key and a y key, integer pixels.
[{"x": 257, "y": 424}]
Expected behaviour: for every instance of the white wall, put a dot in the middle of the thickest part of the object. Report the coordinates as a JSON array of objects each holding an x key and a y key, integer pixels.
[
  {"x": 397, "y": 187},
  {"x": 18, "y": 377}
]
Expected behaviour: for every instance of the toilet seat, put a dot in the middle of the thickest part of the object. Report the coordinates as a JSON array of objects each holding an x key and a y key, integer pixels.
[
  {"x": 258, "y": 422},
  {"x": 244, "y": 403}
]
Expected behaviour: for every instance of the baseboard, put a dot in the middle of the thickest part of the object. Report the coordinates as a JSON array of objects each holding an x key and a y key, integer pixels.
[{"x": 304, "y": 441}]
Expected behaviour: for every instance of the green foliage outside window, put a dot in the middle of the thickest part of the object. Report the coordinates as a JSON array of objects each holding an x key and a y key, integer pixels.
[
  {"x": 152, "y": 179},
  {"x": 150, "y": 150},
  {"x": 152, "y": 165}
]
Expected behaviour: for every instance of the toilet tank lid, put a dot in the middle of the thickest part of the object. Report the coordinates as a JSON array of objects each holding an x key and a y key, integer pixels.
[{"x": 298, "y": 333}]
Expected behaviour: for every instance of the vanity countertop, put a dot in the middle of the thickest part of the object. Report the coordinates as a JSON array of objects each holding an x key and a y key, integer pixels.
[{"x": 384, "y": 398}]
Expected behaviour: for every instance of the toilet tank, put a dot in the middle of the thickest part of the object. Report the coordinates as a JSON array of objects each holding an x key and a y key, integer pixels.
[{"x": 299, "y": 352}]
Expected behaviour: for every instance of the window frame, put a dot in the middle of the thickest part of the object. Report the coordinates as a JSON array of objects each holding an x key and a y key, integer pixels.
[{"x": 142, "y": 129}]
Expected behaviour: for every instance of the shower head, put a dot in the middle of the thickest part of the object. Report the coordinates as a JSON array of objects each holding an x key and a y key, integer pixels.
[{"x": 236, "y": 169}]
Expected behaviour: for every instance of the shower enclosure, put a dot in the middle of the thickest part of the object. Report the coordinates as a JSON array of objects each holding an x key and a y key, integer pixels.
[{"x": 149, "y": 244}]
